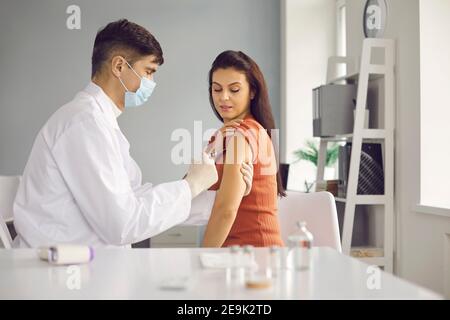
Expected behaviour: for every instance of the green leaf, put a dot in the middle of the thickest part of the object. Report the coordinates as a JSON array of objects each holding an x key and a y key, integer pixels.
[
  {"x": 332, "y": 154},
  {"x": 311, "y": 153}
]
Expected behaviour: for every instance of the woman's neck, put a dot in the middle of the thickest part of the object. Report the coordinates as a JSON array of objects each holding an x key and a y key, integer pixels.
[{"x": 239, "y": 117}]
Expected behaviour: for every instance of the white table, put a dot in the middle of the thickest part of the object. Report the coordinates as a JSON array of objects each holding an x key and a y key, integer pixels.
[{"x": 138, "y": 273}]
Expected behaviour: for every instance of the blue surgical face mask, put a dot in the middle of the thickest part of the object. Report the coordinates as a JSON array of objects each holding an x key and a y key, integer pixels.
[{"x": 135, "y": 99}]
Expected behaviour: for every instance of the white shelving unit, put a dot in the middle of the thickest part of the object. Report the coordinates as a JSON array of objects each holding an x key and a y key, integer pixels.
[{"x": 368, "y": 72}]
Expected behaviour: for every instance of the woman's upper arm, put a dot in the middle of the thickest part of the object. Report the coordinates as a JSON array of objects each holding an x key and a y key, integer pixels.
[{"x": 232, "y": 187}]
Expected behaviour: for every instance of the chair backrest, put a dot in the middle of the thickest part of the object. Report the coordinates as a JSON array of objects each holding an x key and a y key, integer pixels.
[
  {"x": 8, "y": 190},
  {"x": 318, "y": 210}
]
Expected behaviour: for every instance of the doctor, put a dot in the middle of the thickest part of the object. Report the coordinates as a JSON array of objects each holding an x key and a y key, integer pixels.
[{"x": 80, "y": 184}]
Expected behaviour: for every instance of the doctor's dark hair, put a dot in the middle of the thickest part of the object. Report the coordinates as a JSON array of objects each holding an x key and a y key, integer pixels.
[
  {"x": 126, "y": 38},
  {"x": 260, "y": 105}
]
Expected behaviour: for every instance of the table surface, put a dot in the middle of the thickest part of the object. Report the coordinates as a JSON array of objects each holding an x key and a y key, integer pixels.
[{"x": 139, "y": 274}]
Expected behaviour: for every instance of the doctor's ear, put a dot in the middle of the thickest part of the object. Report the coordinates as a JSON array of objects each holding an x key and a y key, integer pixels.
[
  {"x": 252, "y": 95},
  {"x": 117, "y": 65}
]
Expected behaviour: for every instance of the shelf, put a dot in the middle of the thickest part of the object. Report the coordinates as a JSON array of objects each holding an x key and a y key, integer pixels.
[
  {"x": 353, "y": 77},
  {"x": 370, "y": 255},
  {"x": 368, "y": 72},
  {"x": 379, "y": 261},
  {"x": 366, "y": 199},
  {"x": 368, "y": 134},
  {"x": 342, "y": 137},
  {"x": 367, "y": 252}
]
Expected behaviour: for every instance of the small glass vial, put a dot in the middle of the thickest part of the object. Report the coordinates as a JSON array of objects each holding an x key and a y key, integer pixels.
[
  {"x": 300, "y": 244},
  {"x": 235, "y": 270},
  {"x": 248, "y": 260},
  {"x": 274, "y": 264}
]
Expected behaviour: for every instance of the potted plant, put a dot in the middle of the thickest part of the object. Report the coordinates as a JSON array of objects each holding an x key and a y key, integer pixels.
[{"x": 311, "y": 153}]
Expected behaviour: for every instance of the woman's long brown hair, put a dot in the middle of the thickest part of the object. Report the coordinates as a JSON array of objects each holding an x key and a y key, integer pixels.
[{"x": 260, "y": 105}]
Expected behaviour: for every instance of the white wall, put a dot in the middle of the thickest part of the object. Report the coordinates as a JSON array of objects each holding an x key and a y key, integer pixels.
[
  {"x": 309, "y": 38},
  {"x": 43, "y": 65},
  {"x": 435, "y": 102},
  {"x": 422, "y": 240}
]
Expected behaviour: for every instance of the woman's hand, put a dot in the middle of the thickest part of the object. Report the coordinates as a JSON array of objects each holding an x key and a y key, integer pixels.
[
  {"x": 233, "y": 124},
  {"x": 214, "y": 149}
]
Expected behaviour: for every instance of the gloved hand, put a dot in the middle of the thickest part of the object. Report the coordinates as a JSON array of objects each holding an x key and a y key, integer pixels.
[
  {"x": 201, "y": 175},
  {"x": 247, "y": 175}
]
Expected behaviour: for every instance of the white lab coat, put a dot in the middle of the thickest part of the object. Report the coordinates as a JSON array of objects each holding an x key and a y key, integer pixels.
[{"x": 81, "y": 186}]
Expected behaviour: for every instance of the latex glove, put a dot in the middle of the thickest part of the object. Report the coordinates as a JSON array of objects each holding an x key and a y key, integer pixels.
[
  {"x": 247, "y": 175},
  {"x": 201, "y": 175}
]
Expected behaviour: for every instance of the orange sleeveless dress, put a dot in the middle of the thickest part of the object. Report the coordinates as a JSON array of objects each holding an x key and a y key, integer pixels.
[{"x": 256, "y": 221}]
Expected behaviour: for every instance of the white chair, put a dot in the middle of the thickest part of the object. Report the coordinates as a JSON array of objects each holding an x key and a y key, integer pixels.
[
  {"x": 318, "y": 210},
  {"x": 8, "y": 190}
]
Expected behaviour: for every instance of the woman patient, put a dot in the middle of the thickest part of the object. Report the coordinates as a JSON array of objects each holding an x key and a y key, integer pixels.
[{"x": 238, "y": 94}]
